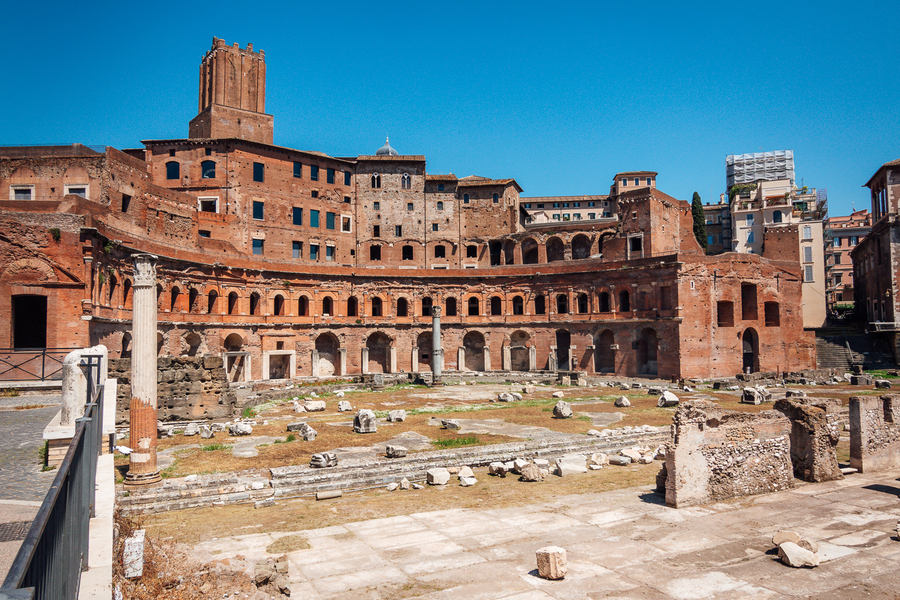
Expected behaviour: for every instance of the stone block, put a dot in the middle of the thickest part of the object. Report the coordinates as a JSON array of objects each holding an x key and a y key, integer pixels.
[
  {"x": 395, "y": 451},
  {"x": 450, "y": 424},
  {"x": 133, "y": 555},
  {"x": 667, "y": 399},
  {"x": 563, "y": 410},
  {"x": 794, "y": 556},
  {"x": 531, "y": 473},
  {"x": 397, "y": 416},
  {"x": 314, "y": 405},
  {"x": 551, "y": 562},
  {"x": 237, "y": 429},
  {"x": 344, "y": 406},
  {"x": 882, "y": 384},
  {"x": 439, "y": 476},
  {"x": 622, "y": 402},
  {"x": 571, "y": 464},
  {"x": 814, "y": 437},
  {"x": 324, "y": 459},
  {"x": 364, "y": 422},
  {"x": 213, "y": 362}
]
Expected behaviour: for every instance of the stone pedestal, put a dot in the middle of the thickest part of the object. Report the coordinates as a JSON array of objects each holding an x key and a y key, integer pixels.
[
  {"x": 532, "y": 358},
  {"x": 487, "y": 358},
  {"x": 507, "y": 359},
  {"x": 364, "y": 367},
  {"x": 437, "y": 352},
  {"x": 343, "y": 366},
  {"x": 461, "y": 359},
  {"x": 551, "y": 562},
  {"x": 142, "y": 469}
]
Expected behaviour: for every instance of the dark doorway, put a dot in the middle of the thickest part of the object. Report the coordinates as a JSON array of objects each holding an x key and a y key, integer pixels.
[
  {"x": 29, "y": 317},
  {"x": 751, "y": 351},
  {"x": 563, "y": 339},
  {"x": 646, "y": 353}
]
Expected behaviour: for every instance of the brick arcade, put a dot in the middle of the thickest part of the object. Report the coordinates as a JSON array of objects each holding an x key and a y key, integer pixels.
[{"x": 292, "y": 263}]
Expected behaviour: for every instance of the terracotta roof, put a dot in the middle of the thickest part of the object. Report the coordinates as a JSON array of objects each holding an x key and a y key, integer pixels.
[
  {"x": 563, "y": 198},
  {"x": 617, "y": 175},
  {"x": 450, "y": 177},
  {"x": 404, "y": 158},
  {"x": 239, "y": 141},
  {"x": 893, "y": 163}
]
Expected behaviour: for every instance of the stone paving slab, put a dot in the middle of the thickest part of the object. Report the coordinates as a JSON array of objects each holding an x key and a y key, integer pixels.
[
  {"x": 621, "y": 544},
  {"x": 21, "y": 439}
]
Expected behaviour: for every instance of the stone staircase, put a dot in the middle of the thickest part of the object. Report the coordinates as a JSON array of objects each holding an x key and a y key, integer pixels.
[{"x": 844, "y": 350}]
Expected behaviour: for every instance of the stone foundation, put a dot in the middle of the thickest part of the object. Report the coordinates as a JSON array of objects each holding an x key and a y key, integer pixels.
[
  {"x": 874, "y": 434},
  {"x": 815, "y": 432},
  {"x": 720, "y": 454},
  {"x": 188, "y": 388}
]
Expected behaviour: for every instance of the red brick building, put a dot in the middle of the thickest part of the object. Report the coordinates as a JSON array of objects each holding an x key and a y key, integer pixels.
[{"x": 296, "y": 263}]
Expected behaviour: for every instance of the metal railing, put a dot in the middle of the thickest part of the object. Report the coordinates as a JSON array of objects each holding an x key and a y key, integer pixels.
[
  {"x": 50, "y": 560},
  {"x": 32, "y": 364}
]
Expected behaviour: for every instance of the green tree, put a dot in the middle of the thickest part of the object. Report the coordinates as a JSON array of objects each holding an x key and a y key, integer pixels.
[{"x": 699, "y": 220}]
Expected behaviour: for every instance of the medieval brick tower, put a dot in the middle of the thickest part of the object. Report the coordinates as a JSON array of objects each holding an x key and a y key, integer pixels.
[{"x": 233, "y": 95}]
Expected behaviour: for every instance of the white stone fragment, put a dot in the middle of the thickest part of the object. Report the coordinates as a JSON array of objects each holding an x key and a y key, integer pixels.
[{"x": 551, "y": 562}]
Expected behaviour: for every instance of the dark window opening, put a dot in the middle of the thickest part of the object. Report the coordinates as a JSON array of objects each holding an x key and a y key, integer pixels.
[
  {"x": 346, "y": 177},
  {"x": 258, "y": 210},
  {"x": 604, "y": 302},
  {"x": 327, "y": 306},
  {"x": 748, "y": 302},
  {"x": 451, "y": 307},
  {"x": 635, "y": 244},
  {"x": 773, "y": 316},
  {"x": 302, "y": 306},
  {"x": 232, "y": 302},
  {"x": 562, "y": 304},
  {"x": 298, "y": 169},
  {"x": 173, "y": 170},
  {"x": 126, "y": 201},
  {"x": 376, "y": 180},
  {"x": 329, "y": 220},
  {"x": 496, "y": 306},
  {"x": 496, "y": 199},
  {"x": 540, "y": 305},
  {"x": 495, "y": 249},
  {"x": 582, "y": 303},
  {"x": 427, "y": 304},
  {"x": 254, "y": 303},
  {"x": 402, "y": 307},
  {"x": 209, "y": 205},
  {"x": 278, "y": 306},
  {"x": 259, "y": 172},
  {"x": 352, "y": 307},
  {"x": 29, "y": 321},
  {"x": 405, "y": 181},
  {"x": 329, "y": 175},
  {"x": 208, "y": 169},
  {"x": 376, "y": 307},
  {"x": 725, "y": 314},
  {"x": 297, "y": 214},
  {"x": 518, "y": 306},
  {"x": 313, "y": 173},
  {"x": 473, "y": 307},
  {"x": 624, "y": 302},
  {"x": 440, "y": 252},
  {"x": 471, "y": 251},
  {"x": 407, "y": 253},
  {"x": 374, "y": 252}
]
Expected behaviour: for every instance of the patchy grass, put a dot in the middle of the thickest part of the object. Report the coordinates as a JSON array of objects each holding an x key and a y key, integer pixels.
[
  {"x": 9, "y": 393},
  {"x": 214, "y": 447},
  {"x": 469, "y": 440},
  {"x": 288, "y": 543},
  {"x": 882, "y": 374}
]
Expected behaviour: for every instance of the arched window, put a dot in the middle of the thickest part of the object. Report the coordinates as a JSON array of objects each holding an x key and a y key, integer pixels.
[
  {"x": 582, "y": 303},
  {"x": 174, "y": 298},
  {"x": 496, "y": 306},
  {"x": 376, "y": 180},
  {"x": 112, "y": 289},
  {"x": 540, "y": 305},
  {"x": 278, "y": 308},
  {"x": 407, "y": 253},
  {"x": 473, "y": 307},
  {"x": 173, "y": 170},
  {"x": 604, "y": 301},
  {"x": 427, "y": 303},
  {"x": 776, "y": 216},
  {"x": 562, "y": 304},
  {"x": 518, "y": 306},
  {"x": 496, "y": 199},
  {"x": 254, "y": 303},
  {"x": 327, "y": 306},
  {"x": 451, "y": 307},
  {"x": 376, "y": 306},
  {"x": 302, "y": 306},
  {"x": 208, "y": 169},
  {"x": 211, "y": 300},
  {"x": 624, "y": 302},
  {"x": 402, "y": 307},
  {"x": 465, "y": 198},
  {"x": 232, "y": 302},
  {"x": 405, "y": 181},
  {"x": 126, "y": 293},
  {"x": 352, "y": 306},
  {"x": 192, "y": 300}
]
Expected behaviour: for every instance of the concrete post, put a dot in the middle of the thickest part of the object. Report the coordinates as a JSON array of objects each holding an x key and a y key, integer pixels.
[
  {"x": 461, "y": 359},
  {"x": 487, "y": 358},
  {"x": 414, "y": 363},
  {"x": 142, "y": 469},
  {"x": 315, "y": 363},
  {"x": 393, "y": 360},
  {"x": 364, "y": 367},
  {"x": 437, "y": 352},
  {"x": 532, "y": 358},
  {"x": 507, "y": 359},
  {"x": 343, "y": 354}
]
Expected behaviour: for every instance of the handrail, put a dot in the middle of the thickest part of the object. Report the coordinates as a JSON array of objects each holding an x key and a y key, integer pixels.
[
  {"x": 16, "y": 363},
  {"x": 54, "y": 552}
]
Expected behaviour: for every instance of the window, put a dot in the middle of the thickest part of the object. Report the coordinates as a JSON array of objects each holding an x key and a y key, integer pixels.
[
  {"x": 313, "y": 218},
  {"x": 427, "y": 304},
  {"x": 405, "y": 181},
  {"x": 576, "y": 216},
  {"x": 440, "y": 252},
  {"x": 409, "y": 206},
  {"x": 540, "y": 206},
  {"x": 204, "y": 234},
  {"x": 407, "y": 253},
  {"x": 710, "y": 240},
  {"x": 808, "y": 273},
  {"x": 749, "y": 220},
  {"x": 207, "y": 151},
  {"x": 556, "y": 217},
  {"x": 314, "y": 193},
  {"x": 352, "y": 305},
  {"x": 329, "y": 220},
  {"x": 20, "y": 193},
  {"x": 748, "y": 302},
  {"x": 296, "y": 249},
  {"x": 126, "y": 200},
  {"x": 208, "y": 169},
  {"x": 837, "y": 257},
  {"x": 258, "y": 210},
  {"x": 398, "y": 230},
  {"x": 346, "y": 199},
  {"x": 374, "y": 252},
  {"x": 496, "y": 199},
  {"x": 76, "y": 190},
  {"x": 347, "y": 178},
  {"x": 773, "y": 318},
  {"x": 624, "y": 182},
  {"x": 434, "y": 226},
  {"x": 576, "y": 204},
  {"x": 402, "y": 307},
  {"x": 635, "y": 244},
  {"x": 171, "y": 153},
  {"x": 259, "y": 172},
  {"x": 776, "y": 216},
  {"x": 345, "y": 224},
  {"x": 836, "y": 242},
  {"x": 582, "y": 303},
  {"x": 173, "y": 170},
  {"x": 592, "y": 215},
  {"x": 376, "y": 307},
  {"x": 750, "y": 237},
  {"x": 496, "y": 306},
  {"x": 624, "y": 301},
  {"x": 329, "y": 175},
  {"x": 854, "y": 240},
  {"x": 208, "y": 205},
  {"x": 440, "y": 205},
  {"x": 637, "y": 181},
  {"x": 725, "y": 314},
  {"x": 603, "y": 301},
  {"x": 313, "y": 173},
  {"x": 298, "y": 169},
  {"x": 807, "y": 233},
  {"x": 440, "y": 187},
  {"x": 465, "y": 198},
  {"x": 376, "y": 180},
  {"x": 376, "y": 231},
  {"x": 518, "y": 306},
  {"x": 471, "y": 251},
  {"x": 556, "y": 205},
  {"x": 376, "y": 206},
  {"x": 473, "y": 307},
  {"x": 807, "y": 254},
  {"x": 649, "y": 180},
  {"x": 540, "y": 305},
  {"x": 258, "y": 247},
  {"x": 313, "y": 252},
  {"x": 298, "y": 216},
  {"x": 562, "y": 304},
  {"x": 329, "y": 253},
  {"x": 451, "y": 307}
]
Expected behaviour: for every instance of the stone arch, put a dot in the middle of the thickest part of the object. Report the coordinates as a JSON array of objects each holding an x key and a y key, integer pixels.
[
  {"x": 192, "y": 342},
  {"x": 327, "y": 306},
  {"x": 604, "y": 352},
  {"x": 556, "y": 249},
  {"x": 603, "y": 302},
  {"x": 376, "y": 306},
  {"x": 28, "y": 270},
  {"x": 496, "y": 306},
  {"x": 174, "y": 295},
  {"x": 518, "y": 305},
  {"x": 402, "y": 307},
  {"x": 518, "y": 351},
  {"x": 474, "y": 344},
  {"x": 303, "y": 305},
  {"x": 127, "y": 295},
  {"x": 647, "y": 347},
  {"x": 212, "y": 302},
  {"x": 233, "y": 342},
  {"x": 581, "y": 246},
  {"x": 451, "y": 307},
  {"x": 379, "y": 346},
  {"x": 278, "y": 305},
  {"x": 473, "y": 306},
  {"x": 233, "y": 300},
  {"x": 530, "y": 254},
  {"x": 327, "y": 347},
  {"x": 509, "y": 252},
  {"x": 750, "y": 349},
  {"x": 193, "y": 299}
]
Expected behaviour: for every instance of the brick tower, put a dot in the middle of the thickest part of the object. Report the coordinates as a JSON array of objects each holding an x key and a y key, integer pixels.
[{"x": 233, "y": 95}]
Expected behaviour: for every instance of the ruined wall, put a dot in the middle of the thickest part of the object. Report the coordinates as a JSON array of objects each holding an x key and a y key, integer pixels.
[
  {"x": 188, "y": 388},
  {"x": 874, "y": 434},
  {"x": 815, "y": 432},
  {"x": 719, "y": 454}
]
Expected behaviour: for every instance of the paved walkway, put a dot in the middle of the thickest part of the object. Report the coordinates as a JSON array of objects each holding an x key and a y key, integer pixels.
[{"x": 621, "y": 544}]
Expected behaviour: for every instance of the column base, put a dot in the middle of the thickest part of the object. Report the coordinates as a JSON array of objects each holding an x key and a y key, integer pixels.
[{"x": 140, "y": 480}]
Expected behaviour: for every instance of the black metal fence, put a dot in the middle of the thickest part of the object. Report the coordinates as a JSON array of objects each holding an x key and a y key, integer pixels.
[
  {"x": 32, "y": 364},
  {"x": 55, "y": 550}
]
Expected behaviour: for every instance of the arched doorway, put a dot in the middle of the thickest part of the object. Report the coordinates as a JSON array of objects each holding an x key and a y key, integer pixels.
[
  {"x": 518, "y": 351},
  {"x": 604, "y": 354},
  {"x": 750, "y": 345},
  {"x": 581, "y": 247},
  {"x": 379, "y": 346},
  {"x": 529, "y": 252},
  {"x": 327, "y": 347},
  {"x": 473, "y": 343},
  {"x": 563, "y": 340},
  {"x": 423, "y": 356},
  {"x": 556, "y": 249},
  {"x": 646, "y": 352}
]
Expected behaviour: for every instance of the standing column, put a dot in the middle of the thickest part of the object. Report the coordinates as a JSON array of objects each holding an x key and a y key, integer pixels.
[
  {"x": 437, "y": 353},
  {"x": 142, "y": 469}
]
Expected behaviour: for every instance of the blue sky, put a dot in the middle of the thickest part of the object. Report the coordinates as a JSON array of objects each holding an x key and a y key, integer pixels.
[{"x": 560, "y": 97}]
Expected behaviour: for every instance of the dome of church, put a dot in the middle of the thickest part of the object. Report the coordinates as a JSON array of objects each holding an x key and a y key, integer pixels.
[{"x": 386, "y": 150}]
